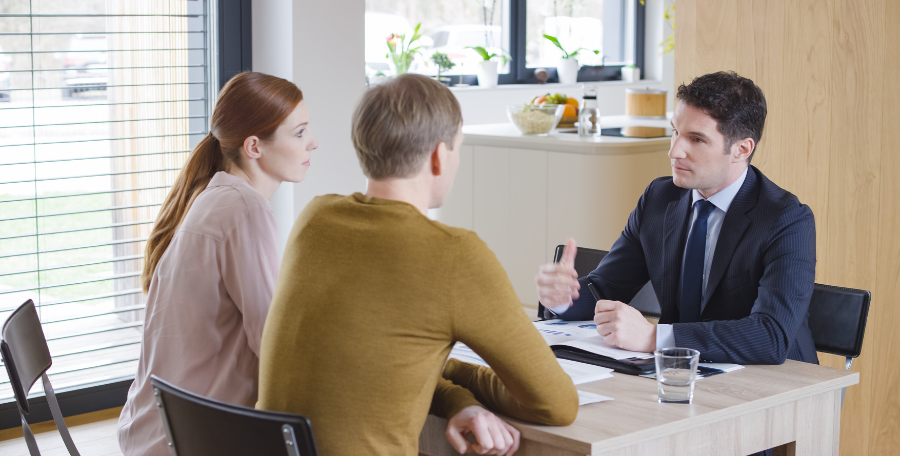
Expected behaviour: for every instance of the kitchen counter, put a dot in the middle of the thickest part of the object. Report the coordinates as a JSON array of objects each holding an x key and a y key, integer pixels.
[
  {"x": 506, "y": 135},
  {"x": 524, "y": 195}
]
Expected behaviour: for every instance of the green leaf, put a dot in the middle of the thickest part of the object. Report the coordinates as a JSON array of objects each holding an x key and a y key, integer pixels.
[
  {"x": 481, "y": 51},
  {"x": 556, "y": 42}
]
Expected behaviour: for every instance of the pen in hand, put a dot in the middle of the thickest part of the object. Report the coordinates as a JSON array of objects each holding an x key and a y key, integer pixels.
[{"x": 594, "y": 291}]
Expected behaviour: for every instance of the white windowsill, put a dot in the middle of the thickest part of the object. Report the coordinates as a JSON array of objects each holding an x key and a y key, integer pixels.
[{"x": 641, "y": 83}]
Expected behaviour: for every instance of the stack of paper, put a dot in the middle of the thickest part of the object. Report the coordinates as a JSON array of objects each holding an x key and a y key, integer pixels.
[
  {"x": 585, "y": 398},
  {"x": 579, "y": 372},
  {"x": 583, "y": 335}
]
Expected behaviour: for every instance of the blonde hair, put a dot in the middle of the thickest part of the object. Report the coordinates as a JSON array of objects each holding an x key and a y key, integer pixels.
[
  {"x": 398, "y": 124},
  {"x": 250, "y": 104}
]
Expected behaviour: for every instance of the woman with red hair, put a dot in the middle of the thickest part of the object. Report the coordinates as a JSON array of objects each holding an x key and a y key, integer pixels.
[{"x": 211, "y": 260}]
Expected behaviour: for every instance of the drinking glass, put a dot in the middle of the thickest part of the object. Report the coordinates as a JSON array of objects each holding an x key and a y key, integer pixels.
[{"x": 676, "y": 372}]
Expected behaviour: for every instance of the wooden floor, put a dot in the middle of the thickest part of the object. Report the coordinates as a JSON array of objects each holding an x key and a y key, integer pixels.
[{"x": 94, "y": 435}]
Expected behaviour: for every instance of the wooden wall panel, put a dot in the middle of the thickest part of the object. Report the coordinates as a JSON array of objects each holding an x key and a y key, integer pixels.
[
  {"x": 829, "y": 71},
  {"x": 885, "y": 421},
  {"x": 759, "y": 42}
]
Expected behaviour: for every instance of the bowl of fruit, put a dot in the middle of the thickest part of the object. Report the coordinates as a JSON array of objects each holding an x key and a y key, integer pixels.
[{"x": 570, "y": 108}]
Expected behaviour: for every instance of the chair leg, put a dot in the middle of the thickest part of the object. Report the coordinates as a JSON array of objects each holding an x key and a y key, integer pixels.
[
  {"x": 29, "y": 437},
  {"x": 58, "y": 417}
]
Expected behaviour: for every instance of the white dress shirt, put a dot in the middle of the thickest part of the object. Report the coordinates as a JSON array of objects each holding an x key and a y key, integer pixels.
[{"x": 665, "y": 335}]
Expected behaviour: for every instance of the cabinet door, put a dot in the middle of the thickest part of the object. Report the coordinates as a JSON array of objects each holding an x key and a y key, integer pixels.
[
  {"x": 591, "y": 196},
  {"x": 457, "y": 209},
  {"x": 510, "y": 211}
]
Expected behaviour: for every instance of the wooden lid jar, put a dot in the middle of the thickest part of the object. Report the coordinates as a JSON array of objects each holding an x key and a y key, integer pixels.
[{"x": 646, "y": 103}]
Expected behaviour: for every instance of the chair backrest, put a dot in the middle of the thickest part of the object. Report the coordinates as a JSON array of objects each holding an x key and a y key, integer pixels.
[
  {"x": 24, "y": 350},
  {"x": 586, "y": 260},
  {"x": 837, "y": 319},
  {"x": 196, "y": 425}
]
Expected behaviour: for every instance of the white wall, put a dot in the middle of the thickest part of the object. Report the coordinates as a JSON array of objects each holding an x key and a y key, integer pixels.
[{"x": 297, "y": 40}]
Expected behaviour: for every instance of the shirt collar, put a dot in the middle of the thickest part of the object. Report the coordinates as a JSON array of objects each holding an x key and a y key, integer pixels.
[
  {"x": 724, "y": 197},
  {"x": 223, "y": 179}
]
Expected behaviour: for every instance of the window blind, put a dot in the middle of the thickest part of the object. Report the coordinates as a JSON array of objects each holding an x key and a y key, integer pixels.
[{"x": 101, "y": 102}]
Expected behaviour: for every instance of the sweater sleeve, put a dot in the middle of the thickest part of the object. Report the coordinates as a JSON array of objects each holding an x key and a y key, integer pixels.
[
  {"x": 525, "y": 382},
  {"x": 450, "y": 399}
]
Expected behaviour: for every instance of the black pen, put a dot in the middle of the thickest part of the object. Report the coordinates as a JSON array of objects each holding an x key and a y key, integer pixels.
[{"x": 594, "y": 291}]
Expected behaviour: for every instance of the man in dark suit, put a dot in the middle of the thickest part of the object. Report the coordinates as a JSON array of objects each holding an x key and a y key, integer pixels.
[{"x": 731, "y": 255}]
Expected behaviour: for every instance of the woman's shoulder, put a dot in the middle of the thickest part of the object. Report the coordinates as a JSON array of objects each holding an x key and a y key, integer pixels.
[{"x": 220, "y": 208}]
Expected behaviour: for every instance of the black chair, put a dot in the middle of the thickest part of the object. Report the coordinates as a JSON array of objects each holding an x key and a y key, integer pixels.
[
  {"x": 26, "y": 356},
  {"x": 586, "y": 260},
  {"x": 199, "y": 426},
  {"x": 837, "y": 320}
]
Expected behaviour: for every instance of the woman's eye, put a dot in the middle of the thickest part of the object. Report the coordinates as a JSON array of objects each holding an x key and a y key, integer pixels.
[
  {"x": 300, "y": 134},
  {"x": 698, "y": 140}
]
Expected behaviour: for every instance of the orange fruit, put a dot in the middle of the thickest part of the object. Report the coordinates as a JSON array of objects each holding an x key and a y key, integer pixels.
[
  {"x": 569, "y": 111},
  {"x": 541, "y": 99},
  {"x": 572, "y": 102}
]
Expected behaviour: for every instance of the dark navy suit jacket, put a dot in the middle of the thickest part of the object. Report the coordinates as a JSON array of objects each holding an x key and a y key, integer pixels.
[{"x": 756, "y": 307}]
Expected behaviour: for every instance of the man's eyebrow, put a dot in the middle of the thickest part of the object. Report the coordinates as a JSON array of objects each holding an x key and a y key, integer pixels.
[{"x": 696, "y": 133}]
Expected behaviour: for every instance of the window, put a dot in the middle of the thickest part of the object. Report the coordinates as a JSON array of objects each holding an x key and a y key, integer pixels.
[
  {"x": 613, "y": 27},
  {"x": 447, "y": 27},
  {"x": 590, "y": 24},
  {"x": 101, "y": 103}
]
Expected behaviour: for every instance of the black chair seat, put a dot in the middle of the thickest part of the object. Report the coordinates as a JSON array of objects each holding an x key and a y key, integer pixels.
[{"x": 200, "y": 426}]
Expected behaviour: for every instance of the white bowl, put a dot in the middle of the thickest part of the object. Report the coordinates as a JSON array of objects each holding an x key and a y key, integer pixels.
[{"x": 535, "y": 119}]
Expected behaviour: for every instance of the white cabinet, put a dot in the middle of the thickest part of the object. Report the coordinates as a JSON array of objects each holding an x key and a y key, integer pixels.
[{"x": 525, "y": 201}]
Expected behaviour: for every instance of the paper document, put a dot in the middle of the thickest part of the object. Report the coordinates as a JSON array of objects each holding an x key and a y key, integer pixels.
[
  {"x": 578, "y": 372},
  {"x": 597, "y": 346},
  {"x": 558, "y": 331},
  {"x": 465, "y": 354},
  {"x": 585, "y": 398},
  {"x": 724, "y": 367},
  {"x": 583, "y": 335},
  {"x": 709, "y": 369},
  {"x": 584, "y": 373}
]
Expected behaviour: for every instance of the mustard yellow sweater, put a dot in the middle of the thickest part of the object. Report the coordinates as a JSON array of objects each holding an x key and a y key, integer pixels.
[{"x": 371, "y": 298}]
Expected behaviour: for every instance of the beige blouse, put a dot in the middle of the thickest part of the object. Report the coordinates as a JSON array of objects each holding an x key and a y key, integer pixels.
[{"x": 206, "y": 308}]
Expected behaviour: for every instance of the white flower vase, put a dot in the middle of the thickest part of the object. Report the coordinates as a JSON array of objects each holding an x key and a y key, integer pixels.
[
  {"x": 631, "y": 74},
  {"x": 567, "y": 69},
  {"x": 487, "y": 73}
]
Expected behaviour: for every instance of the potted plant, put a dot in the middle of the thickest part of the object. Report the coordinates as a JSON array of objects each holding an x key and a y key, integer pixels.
[
  {"x": 567, "y": 69},
  {"x": 402, "y": 53},
  {"x": 487, "y": 68},
  {"x": 443, "y": 63},
  {"x": 631, "y": 73}
]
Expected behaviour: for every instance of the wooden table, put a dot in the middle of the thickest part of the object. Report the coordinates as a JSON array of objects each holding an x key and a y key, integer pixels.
[{"x": 737, "y": 413}]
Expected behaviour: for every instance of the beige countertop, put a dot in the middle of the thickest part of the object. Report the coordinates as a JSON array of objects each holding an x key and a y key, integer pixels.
[{"x": 506, "y": 135}]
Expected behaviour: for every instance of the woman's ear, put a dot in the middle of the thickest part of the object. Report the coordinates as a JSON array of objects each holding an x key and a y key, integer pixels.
[{"x": 251, "y": 148}]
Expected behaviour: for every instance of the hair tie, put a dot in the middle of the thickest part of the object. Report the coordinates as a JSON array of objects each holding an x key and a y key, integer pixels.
[{"x": 211, "y": 135}]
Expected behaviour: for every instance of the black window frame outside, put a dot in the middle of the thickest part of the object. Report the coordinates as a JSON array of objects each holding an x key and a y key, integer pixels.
[{"x": 520, "y": 74}]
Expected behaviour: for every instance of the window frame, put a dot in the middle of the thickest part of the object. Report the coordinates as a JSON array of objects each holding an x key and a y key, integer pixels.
[
  {"x": 520, "y": 74},
  {"x": 228, "y": 22}
]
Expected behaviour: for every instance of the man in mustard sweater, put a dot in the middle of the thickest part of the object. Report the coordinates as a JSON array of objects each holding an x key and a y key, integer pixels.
[{"x": 372, "y": 296}]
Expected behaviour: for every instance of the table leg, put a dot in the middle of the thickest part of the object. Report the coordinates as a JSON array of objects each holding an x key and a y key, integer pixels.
[{"x": 818, "y": 426}]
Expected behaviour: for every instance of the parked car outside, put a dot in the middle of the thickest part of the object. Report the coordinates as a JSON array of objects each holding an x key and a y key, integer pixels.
[
  {"x": 454, "y": 40},
  {"x": 85, "y": 66},
  {"x": 5, "y": 65}
]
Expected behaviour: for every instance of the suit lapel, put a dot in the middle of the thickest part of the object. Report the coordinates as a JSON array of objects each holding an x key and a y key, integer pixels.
[
  {"x": 733, "y": 227},
  {"x": 675, "y": 226}
]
